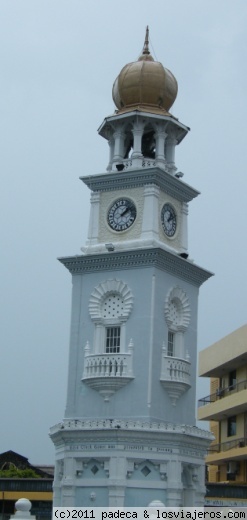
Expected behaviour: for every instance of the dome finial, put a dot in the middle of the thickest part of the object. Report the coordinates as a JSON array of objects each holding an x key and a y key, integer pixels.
[
  {"x": 146, "y": 42},
  {"x": 145, "y": 55}
]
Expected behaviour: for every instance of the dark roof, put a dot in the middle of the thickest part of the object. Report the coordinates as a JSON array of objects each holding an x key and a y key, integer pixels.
[{"x": 10, "y": 457}]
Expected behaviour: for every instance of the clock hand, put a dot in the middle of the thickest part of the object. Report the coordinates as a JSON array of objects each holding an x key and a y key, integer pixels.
[{"x": 125, "y": 211}]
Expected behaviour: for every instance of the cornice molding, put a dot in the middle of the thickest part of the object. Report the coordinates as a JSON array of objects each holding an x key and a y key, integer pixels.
[
  {"x": 141, "y": 258},
  {"x": 130, "y": 115},
  {"x": 134, "y": 178},
  {"x": 137, "y": 431}
]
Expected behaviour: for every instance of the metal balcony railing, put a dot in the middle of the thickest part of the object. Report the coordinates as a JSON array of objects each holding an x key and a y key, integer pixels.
[
  {"x": 241, "y": 442},
  {"x": 222, "y": 392}
]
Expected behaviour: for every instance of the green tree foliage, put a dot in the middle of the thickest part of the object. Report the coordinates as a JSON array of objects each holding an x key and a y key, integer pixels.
[{"x": 14, "y": 472}]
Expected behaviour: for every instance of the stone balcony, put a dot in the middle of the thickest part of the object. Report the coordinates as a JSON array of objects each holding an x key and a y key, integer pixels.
[
  {"x": 107, "y": 373},
  {"x": 175, "y": 376}
]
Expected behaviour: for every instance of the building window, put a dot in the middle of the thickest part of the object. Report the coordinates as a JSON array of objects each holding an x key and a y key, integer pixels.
[
  {"x": 177, "y": 316},
  {"x": 112, "y": 340},
  {"x": 170, "y": 349},
  {"x": 232, "y": 379},
  {"x": 110, "y": 306},
  {"x": 231, "y": 426}
]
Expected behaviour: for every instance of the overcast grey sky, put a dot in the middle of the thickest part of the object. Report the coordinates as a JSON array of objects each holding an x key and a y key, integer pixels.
[{"x": 58, "y": 61}]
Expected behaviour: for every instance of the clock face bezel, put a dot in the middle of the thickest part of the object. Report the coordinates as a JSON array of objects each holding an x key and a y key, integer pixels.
[
  {"x": 121, "y": 221},
  {"x": 169, "y": 224}
]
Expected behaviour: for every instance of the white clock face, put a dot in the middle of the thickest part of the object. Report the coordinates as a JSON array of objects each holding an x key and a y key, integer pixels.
[
  {"x": 121, "y": 215},
  {"x": 169, "y": 220}
]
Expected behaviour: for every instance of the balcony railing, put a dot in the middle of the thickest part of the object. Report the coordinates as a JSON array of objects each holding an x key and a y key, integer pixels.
[
  {"x": 175, "y": 369},
  {"x": 241, "y": 442},
  {"x": 222, "y": 392},
  {"x": 107, "y": 373},
  {"x": 143, "y": 162},
  {"x": 230, "y": 491},
  {"x": 108, "y": 365},
  {"x": 175, "y": 376}
]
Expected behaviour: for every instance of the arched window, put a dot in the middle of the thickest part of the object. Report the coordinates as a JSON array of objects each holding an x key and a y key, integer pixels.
[
  {"x": 110, "y": 306},
  {"x": 177, "y": 315}
]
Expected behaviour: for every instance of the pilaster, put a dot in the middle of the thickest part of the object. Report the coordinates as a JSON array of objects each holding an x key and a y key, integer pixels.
[
  {"x": 68, "y": 483},
  {"x": 117, "y": 476},
  {"x": 150, "y": 221},
  {"x": 93, "y": 228},
  {"x": 174, "y": 484},
  {"x": 179, "y": 347},
  {"x": 184, "y": 227}
]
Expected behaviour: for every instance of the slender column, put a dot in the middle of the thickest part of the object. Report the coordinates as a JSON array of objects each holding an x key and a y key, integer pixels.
[
  {"x": 111, "y": 153},
  {"x": 171, "y": 142},
  {"x": 136, "y": 155},
  {"x": 75, "y": 336},
  {"x": 93, "y": 228},
  {"x": 118, "y": 145},
  {"x": 137, "y": 132},
  {"x": 160, "y": 137},
  {"x": 184, "y": 227}
]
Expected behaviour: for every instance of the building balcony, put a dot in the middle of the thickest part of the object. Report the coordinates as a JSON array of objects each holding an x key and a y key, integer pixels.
[
  {"x": 107, "y": 373},
  {"x": 175, "y": 376},
  {"x": 223, "y": 452},
  {"x": 224, "y": 403}
]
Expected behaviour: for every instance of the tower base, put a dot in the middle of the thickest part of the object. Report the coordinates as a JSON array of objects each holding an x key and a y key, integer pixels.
[{"x": 118, "y": 463}]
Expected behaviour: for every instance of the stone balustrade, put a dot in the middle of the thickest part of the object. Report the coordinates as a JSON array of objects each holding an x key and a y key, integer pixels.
[
  {"x": 175, "y": 376},
  {"x": 175, "y": 369},
  {"x": 108, "y": 365}
]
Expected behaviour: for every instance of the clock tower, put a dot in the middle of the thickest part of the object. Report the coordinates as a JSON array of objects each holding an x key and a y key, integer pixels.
[{"x": 129, "y": 435}]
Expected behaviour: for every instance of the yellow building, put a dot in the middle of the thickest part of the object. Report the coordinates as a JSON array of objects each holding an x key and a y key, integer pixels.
[
  {"x": 19, "y": 479},
  {"x": 225, "y": 362}
]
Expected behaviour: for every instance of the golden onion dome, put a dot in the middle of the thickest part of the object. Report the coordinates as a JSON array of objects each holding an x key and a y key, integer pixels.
[{"x": 145, "y": 84}]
